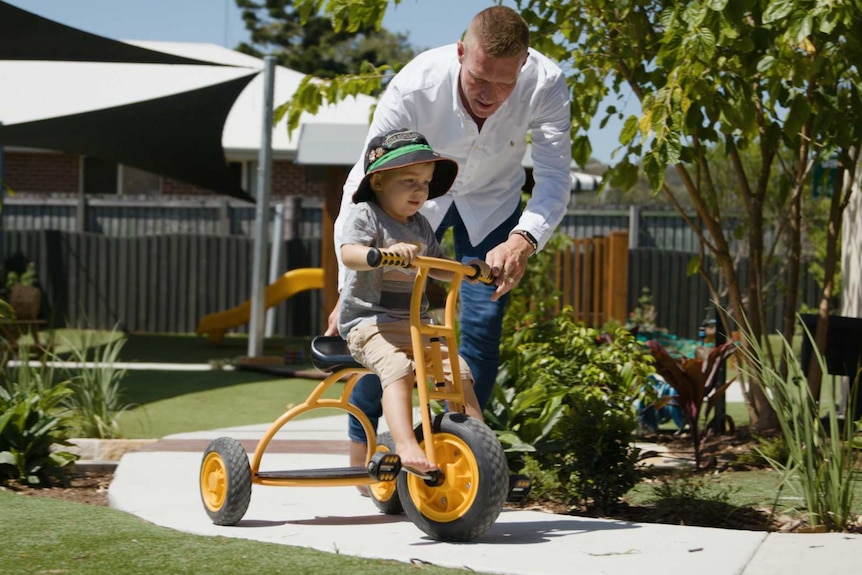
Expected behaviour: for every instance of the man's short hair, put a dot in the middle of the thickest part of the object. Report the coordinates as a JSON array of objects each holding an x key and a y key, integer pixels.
[{"x": 500, "y": 31}]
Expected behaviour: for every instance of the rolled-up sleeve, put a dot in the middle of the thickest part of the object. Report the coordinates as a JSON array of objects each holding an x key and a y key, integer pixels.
[{"x": 551, "y": 140}]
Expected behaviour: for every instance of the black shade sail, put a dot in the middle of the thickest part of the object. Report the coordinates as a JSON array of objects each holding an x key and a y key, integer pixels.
[{"x": 178, "y": 135}]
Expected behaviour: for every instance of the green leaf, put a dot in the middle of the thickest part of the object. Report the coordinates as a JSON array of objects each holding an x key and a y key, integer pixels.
[
  {"x": 629, "y": 130},
  {"x": 582, "y": 150},
  {"x": 692, "y": 267},
  {"x": 765, "y": 63},
  {"x": 654, "y": 170},
  {"x": 777, "y": 10}
]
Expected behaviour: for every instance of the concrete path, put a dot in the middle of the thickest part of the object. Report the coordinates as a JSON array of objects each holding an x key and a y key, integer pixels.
[{"x": 160, "y": 485}]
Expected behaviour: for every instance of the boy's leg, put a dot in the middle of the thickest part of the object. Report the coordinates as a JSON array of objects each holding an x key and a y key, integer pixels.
[{"x": 398, "y": 410}]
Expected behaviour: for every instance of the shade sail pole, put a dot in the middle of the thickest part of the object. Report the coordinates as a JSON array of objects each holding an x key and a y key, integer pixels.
[{"x": 264, "y": 185}]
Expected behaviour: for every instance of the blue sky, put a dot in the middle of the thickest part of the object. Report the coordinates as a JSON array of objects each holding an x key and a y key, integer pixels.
[{"x": 428, "y": 23}]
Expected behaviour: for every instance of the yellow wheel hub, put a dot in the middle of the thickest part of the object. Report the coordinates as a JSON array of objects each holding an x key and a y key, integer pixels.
[
  {"x": 213, "y": 481},
  {"x": 451, "y": 500}
]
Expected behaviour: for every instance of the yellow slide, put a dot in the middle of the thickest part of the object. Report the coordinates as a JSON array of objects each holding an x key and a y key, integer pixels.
[{"x": 291, "y": 283}]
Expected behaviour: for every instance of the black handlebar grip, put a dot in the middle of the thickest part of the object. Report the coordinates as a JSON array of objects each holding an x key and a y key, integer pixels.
[{"x": 374, "y": 257}]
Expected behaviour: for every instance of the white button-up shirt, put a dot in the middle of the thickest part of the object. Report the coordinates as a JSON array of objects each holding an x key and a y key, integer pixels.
[{"x": 424, "y": 97}]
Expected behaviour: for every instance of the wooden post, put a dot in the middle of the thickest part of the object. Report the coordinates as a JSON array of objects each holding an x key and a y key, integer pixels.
[
  {"x": 618, "y": 276},
  {"x": 331, "y": 206}
]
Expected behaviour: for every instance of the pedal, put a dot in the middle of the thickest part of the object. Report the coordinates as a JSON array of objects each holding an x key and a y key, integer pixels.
[
  {"x": 384, "y": 466},
  {"x": 519, "y": 488}
]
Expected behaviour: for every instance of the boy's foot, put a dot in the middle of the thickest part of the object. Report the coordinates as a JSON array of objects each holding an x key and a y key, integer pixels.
[
  {"x": 414, "y": 458},
  {"x": 364, "y": 490}
]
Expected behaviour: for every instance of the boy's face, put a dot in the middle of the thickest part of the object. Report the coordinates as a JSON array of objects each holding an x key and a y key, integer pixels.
[{"x": 401, "y": 192}]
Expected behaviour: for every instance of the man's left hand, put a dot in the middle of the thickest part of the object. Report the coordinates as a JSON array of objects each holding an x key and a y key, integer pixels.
[{"x": 508, "y": 263}]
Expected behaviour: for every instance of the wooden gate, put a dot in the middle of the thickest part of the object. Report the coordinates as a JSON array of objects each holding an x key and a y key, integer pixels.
[{"x": 592, "y": 274}]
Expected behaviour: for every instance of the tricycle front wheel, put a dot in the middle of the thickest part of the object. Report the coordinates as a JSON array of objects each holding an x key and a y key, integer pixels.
[{"x": 474, "y": 483}]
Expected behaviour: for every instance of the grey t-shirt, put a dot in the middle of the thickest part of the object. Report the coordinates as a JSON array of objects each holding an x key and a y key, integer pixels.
[{"x": 381, "y": 294}]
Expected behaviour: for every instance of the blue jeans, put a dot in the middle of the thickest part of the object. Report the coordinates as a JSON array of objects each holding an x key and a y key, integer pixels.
[{"x": 481, "y": 326}]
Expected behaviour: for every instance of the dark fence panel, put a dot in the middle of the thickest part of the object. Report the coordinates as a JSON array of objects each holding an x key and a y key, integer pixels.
[
  {"x": 137, "y": 217},
  {"x": 681, "y": 301},
  {"x": 164, "y": 283}
]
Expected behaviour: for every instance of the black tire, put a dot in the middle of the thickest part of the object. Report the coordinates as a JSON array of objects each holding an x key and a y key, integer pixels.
[
  {"x": 474, "y": 485},
  {"x": 385, "y": 493},
  {"x": 225, "y": 481}
]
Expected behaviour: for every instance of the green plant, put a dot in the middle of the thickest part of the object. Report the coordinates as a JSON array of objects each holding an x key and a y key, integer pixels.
[
  {"x": 695, "y": 381},
  {"x": 25, "y": 278},
  {"x": 31, "y": 425},
  {"x": 96, "y": 399},
  {"x": 563, "y": 395},
  {"x": 768, "y": 449},
  {"x": 643, "y": 318},
  {"x": 598, "y": 460},
  {"x": 822, "y": 459},
  {"x": 6, "y": 310},
  {"x": 691, "y": 500}
]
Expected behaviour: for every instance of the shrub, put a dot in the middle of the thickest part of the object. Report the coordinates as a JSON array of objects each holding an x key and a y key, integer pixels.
[
  {"x": 31, "y": 425},
  {"x": 564, "y": 395},
  {"x": 95, "y": 402}
]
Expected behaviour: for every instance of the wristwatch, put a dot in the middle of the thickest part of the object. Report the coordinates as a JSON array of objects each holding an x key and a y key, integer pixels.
[{"x": 529, "y": 237}]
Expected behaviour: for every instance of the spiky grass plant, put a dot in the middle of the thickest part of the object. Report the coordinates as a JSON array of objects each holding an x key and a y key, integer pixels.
[
  {"x": 822, "y": 461},
  {"x": 96, "y": 401}
]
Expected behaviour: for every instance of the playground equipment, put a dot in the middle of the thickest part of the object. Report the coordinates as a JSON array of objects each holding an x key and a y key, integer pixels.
[
  {"x": 291, "y": 283},
  {"x": 458, "y": 501}
]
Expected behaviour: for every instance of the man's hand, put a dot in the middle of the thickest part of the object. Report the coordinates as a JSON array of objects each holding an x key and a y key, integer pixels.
[{"x": 508, "y": 263}]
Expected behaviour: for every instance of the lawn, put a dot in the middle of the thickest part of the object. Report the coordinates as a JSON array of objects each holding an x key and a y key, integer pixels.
[
  {"x": 53, "y": 536},
  {"x": 169, "y": 401}
]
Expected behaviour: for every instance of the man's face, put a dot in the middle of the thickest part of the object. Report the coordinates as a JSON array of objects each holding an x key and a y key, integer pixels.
[{"x": 486, "y": 82}]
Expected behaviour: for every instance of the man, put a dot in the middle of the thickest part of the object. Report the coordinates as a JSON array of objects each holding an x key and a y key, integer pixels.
[{"x": 476, "y": 102}]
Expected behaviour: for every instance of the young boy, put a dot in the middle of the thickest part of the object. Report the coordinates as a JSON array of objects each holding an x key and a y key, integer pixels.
[{"x": 401, "y": 172}]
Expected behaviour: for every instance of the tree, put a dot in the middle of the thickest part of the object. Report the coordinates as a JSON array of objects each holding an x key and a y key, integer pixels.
[
  {"x": 771, "y": 85},
  {"x": 310, "y": 45}
]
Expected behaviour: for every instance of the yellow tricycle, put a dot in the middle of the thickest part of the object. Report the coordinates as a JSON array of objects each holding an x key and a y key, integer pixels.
[{"x": 458, "y": 501}]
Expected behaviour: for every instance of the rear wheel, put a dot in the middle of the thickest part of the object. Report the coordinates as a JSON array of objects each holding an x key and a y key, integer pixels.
[
  {"x": 385, "y": 493},
  {"x": 225, "y": 481},
  {"x": 473, "y": 484}
]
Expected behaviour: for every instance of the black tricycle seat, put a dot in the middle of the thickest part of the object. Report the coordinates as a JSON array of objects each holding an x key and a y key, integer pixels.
[{"x": 330, "y": 353}]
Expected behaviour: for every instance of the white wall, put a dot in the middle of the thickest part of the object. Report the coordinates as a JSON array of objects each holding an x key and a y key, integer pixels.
[{"x": 851, "y": 253}]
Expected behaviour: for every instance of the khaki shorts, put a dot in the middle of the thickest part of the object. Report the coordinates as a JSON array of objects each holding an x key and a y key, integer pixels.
[{"x": 386, "y": 350}]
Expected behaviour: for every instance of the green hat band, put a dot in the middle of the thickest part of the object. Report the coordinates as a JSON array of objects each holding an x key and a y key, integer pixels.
[{"x": 389, "y": 156}]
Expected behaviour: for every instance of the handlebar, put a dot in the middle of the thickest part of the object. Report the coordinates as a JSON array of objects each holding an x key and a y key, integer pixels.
[{"x": 377, "y": 257}]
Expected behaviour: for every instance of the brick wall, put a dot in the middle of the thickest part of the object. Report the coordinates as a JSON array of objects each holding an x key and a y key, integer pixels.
[
  {"x": 28, "y": 172},
  {"x": 291, "y": 179}
]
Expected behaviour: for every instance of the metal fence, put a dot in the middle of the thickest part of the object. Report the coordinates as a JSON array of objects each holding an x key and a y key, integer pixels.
[
  {"x": 156, "y": 284},
  {"x": 138, "y": 217},
  {"x": 160, "y": 265}
]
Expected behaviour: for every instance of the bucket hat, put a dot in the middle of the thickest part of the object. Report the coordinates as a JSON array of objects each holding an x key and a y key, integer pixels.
[{"x": 400, "y": 148}]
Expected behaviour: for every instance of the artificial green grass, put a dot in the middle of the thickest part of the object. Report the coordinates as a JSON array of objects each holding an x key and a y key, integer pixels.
[
  {"x": 52, "y": 536},
  {"x": 168, "y": 402}
]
